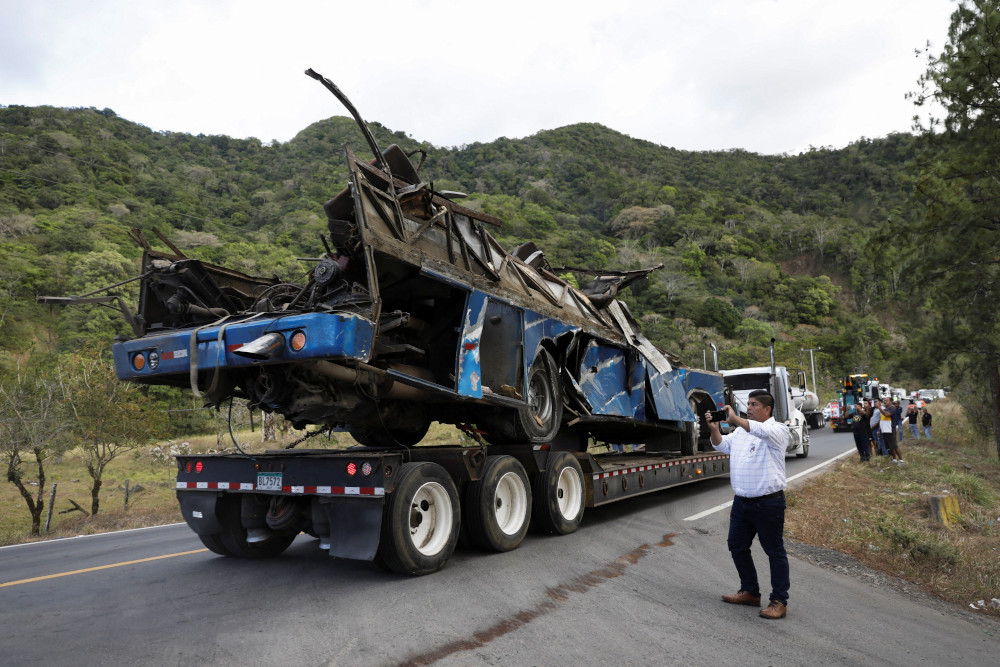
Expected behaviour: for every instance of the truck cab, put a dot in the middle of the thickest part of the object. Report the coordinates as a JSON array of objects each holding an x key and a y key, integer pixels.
[{"x": 787, "y": 400}]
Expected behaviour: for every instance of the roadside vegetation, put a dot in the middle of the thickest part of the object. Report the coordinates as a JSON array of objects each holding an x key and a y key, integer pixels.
[{"x": 879, "y": 512}]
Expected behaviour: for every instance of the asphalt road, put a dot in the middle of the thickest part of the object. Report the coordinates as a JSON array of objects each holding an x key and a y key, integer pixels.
[{"x": 638, "y": 584}]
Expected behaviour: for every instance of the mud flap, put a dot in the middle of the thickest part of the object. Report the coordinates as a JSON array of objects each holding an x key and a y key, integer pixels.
[
  {"x": 198, "y": 509},
  {"x": 355, "y": 525}
]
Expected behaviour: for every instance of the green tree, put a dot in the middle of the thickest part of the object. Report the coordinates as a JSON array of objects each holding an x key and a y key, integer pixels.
[
  {"x": 107, "y": 417},
  {"x": 720, "y": 314},
  {"x": 953, "y": 249}
]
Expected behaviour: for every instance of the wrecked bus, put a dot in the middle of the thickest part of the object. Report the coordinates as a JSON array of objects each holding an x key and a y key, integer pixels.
[{"x": 414, "y": 313}]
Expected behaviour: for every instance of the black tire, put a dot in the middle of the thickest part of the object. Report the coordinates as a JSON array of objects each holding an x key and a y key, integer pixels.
[
  {"x": 540, "y": 420},
  {"x": 421, "y": 520},
  {"x": 213, "y": 542},
  {"x": 380, "y": 436},
  {"x": 804, "y": 451},
  {"x": 559, "y": 495},
  {"x": 497, "y": 509},
  {"x": 234, "y": 535}
]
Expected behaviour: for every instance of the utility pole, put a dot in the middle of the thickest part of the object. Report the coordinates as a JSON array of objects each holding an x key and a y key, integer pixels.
[{"x": 812, "y": 364}]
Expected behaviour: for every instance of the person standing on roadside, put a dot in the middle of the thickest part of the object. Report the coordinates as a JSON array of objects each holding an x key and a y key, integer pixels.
[
  {"x": 756, "y": 449},
  {"x": 911, "y": 417},
  {"x": 888, "y": 437},
  {"x": 897, "y": 421},
  {"x": 874, "y": 419},
  {"x": 862, "y": 433},
  {"x": 925, "y": 420},
  {"x": 867, "y": 411}
]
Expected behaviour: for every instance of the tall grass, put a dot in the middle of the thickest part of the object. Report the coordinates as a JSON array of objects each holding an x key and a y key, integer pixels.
[{"x": 879, "y": 512}]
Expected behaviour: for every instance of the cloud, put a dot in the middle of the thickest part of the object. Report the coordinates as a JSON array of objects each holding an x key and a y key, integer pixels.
[{"x": 765, "y": 75}]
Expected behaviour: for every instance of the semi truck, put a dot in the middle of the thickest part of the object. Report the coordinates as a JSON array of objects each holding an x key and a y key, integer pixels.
[
  {"x": 413, "y": 313},
  {"x": 789, "y": 398},
  {"x": 853, "y": 391}
]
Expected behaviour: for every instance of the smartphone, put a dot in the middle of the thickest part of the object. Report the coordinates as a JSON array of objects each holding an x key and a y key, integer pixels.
[{"x": 719, "y": 415}]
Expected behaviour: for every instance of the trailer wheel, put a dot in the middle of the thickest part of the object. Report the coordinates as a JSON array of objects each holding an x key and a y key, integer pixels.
[
  {"x": 421, "y": 520},
  {"x": 559, "y": 495},
  {"x": 497, "y": 507},
  {"x": 234, "y": 535},
  {"x": 214, "y": 543}
]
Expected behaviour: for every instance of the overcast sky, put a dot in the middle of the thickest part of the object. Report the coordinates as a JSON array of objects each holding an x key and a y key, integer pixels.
[{"x": 769, "y": 76}]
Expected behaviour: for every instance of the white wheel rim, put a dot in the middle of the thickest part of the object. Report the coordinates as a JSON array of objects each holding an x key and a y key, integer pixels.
[
  {"x": 569, "y": 493},
  {"x": 510, "y": 503},
  {"x": 430, "y": 519}
]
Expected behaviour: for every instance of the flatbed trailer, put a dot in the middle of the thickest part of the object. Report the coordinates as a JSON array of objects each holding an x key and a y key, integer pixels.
[{"x": 406, "y": 510}]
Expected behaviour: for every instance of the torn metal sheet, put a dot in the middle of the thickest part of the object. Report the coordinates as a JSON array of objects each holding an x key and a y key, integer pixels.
[{"x": 413, "y": 313}]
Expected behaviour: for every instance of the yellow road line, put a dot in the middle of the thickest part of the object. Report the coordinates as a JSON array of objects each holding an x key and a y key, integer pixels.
[{"x": 100, "y": 567}]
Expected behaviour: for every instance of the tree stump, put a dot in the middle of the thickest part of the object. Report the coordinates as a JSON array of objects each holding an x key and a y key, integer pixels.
[{"x": 944, "y": 509}]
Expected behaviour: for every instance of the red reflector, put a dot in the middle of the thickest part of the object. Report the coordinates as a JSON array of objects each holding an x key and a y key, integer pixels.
[
  {"x": 351, "y": 469},
  {"x": 198, "y": 466},
  {"x": 471, "y": 346},
  {"x": 187, "y": 467}
]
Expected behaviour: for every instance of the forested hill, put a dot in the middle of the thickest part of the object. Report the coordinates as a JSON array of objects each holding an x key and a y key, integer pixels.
[{"x": 754, "y": 246}]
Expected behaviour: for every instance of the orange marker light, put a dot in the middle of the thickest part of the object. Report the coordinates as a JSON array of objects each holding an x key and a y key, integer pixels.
[
  {"x": 298, "y": 341},
  {"x": 138, "y": 362}
]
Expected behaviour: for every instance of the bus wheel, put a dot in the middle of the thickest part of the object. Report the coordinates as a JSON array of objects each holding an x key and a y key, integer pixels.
[
  {"x": 540, "y": 420},
  {"x": 421, "y": 520},
  {"x": 498, "y": 506},
  {"x": 559, "y": 495},
  {"x": 692, "y": 432},
  {"x": 377, "y": 435}
]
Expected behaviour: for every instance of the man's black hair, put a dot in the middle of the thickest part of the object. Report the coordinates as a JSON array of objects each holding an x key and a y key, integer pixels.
[{"x": 764, "y": 398}]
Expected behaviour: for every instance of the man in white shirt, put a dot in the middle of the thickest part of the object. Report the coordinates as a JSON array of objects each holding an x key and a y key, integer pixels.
[{"x": 756, "y": 449}]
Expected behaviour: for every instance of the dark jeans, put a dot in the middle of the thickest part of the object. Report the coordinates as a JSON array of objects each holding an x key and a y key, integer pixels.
[
  {"x": 861, "y": 442},
  {"x": 880, "y": 442},
  {"x": 766, "y": 520}
]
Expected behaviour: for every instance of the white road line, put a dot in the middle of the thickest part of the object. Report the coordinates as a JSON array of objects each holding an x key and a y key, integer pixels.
[
  {"x": 701, "y": 515},
  {"x": 77, "y": 537}
]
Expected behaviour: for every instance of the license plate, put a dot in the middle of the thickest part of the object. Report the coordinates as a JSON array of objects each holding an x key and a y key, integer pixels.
[{"x": 269, "y": 481}]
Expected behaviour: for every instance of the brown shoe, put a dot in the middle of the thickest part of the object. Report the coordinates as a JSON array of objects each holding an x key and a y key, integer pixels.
[
  {"x": 743, "y": 598},
  {"x": 774, "y": 610}
]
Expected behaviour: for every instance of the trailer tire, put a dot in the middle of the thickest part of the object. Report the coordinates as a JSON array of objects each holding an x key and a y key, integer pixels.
[
  {"x": 234, "y": 535},
  {"x": 497, "y": 508},
  {"x": 421, "y": 520},
  {"x": 213, "y": 541},
  {"x": 559, "y": 495}
]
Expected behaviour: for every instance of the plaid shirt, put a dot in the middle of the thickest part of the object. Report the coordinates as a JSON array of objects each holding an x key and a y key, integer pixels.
[{"x": 757, "y": 458}]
